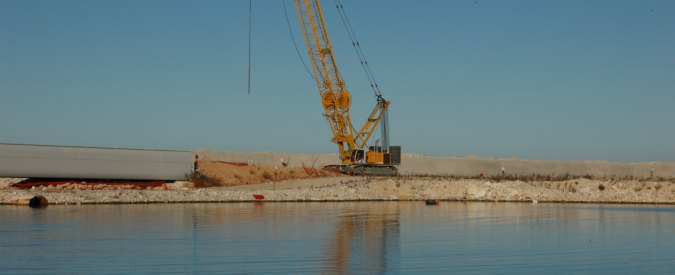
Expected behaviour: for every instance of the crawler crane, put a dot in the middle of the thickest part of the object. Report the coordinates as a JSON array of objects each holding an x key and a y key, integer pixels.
[{"x": 336, "y": 102}]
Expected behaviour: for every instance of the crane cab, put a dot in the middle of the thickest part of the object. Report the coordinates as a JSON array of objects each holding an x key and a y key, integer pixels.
[{"x": 375, "y": 161}]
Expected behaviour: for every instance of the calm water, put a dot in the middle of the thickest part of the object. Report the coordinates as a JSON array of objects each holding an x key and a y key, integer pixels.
[{"x": 366, "y": 237}]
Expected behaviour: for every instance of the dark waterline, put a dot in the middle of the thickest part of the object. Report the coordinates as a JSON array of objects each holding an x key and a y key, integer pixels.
[{"x": 348, "y": 237}]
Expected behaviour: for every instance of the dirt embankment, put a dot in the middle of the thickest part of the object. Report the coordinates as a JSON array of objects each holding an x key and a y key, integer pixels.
[
  {"x": 467, "y": 166},
  {"x": 222, "y": 173}
]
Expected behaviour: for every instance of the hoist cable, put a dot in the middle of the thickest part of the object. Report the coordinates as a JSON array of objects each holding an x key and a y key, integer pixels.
[
  {"x": 290, "y": 30},
  {"x": 250, "y": 27},
  {"x": 357, "y": 47},
  {"x": 354, "y": 44}
]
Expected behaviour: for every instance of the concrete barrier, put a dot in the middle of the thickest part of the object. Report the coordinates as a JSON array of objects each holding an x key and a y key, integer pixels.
[{"x": 41, "y": 161}]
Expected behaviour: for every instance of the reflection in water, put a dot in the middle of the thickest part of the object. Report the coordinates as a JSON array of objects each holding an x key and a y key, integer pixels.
[
  {"x": 366, "y": 241},
  {"x": 356, "y": 237}
]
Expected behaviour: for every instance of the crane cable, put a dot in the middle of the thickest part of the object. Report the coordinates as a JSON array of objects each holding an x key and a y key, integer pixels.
[
  {"x": 250, "y": 27},
  {"x": 359, "y": 52},
  {"x": 290, "y": 31},
  {"x": 357, "y": 48}
]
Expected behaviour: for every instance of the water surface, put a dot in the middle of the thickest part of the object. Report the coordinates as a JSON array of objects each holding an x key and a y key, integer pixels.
[{"x": 345, "y": 237}]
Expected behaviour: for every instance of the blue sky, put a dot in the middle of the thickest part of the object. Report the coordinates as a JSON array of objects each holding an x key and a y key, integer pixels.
[{"x": 529, "y": 79}]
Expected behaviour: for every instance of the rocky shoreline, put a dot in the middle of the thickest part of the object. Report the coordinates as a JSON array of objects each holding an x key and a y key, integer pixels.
[{"x": 345, "y": 188}]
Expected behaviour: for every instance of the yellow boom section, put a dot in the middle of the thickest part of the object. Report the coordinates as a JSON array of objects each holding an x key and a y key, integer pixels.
[{"x": 335, "y": 98}]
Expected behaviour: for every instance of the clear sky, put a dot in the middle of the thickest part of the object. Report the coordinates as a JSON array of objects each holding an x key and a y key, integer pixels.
[{"x": 529, "y": 79}]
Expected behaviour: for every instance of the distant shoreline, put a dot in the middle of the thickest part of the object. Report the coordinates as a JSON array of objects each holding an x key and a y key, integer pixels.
[{"x": 280, "y": 177}]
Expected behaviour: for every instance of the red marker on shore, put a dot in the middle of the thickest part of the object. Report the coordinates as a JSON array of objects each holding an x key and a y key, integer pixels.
[{"x": 258, "y": 197}]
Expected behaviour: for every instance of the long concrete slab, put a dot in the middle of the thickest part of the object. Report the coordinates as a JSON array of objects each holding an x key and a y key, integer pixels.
[{"x": 41, "y": 161}]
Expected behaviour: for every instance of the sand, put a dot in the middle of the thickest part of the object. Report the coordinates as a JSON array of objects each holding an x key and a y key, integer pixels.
[{"x": 241, "y": 173}]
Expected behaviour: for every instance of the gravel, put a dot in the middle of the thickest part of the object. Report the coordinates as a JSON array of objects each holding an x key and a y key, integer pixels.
[{"x": 365, "y": 189}]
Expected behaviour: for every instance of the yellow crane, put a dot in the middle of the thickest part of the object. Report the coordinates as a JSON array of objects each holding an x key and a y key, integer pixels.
[{"x": 336, "y": 102}]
